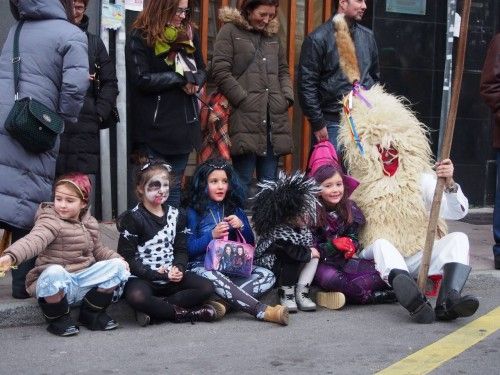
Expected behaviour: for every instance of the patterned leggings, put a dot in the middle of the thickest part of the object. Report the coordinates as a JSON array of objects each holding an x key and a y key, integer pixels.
[{"x": 240, "y": 293}]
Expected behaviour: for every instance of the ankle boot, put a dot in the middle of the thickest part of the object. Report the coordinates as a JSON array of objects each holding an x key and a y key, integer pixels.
[
  {"x": 410, "y": 297},
  {"x": 287, "y": 298},
  {"x": 219, "y": 307},
  {"x": 142, "y": 319},
  {"x": 59, "y": 318},
  {"x": 205, "y": 313},
  {"x": 93, "y": 311},
  {"x": 331, "y": 300},
  {"x": 450, "y": 304},
  {"x": 276, "y": 314},
  {"x": 302, "y": 298},
  {"x": 384, "y": 296}
]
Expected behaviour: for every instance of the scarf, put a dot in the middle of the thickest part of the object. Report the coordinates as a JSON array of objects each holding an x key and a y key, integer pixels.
[
  {"x": 175, "y": 49},
  {"x": 266, "y": 259}
]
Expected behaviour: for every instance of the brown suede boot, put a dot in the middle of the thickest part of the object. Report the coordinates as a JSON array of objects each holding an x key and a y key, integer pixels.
[
  {"x": 220, "y": 308},
  {"x": 276, "y": 314}
]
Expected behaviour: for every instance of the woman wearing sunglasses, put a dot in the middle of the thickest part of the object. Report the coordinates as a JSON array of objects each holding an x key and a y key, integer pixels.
[{"x": 166, "y": 70}]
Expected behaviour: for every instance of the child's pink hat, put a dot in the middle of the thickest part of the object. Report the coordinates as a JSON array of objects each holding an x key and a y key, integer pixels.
[{"x": 80, "y": 181}]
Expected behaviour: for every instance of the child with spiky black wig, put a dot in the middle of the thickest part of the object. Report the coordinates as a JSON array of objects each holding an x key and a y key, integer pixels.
[{"x": 283, "y": 212}]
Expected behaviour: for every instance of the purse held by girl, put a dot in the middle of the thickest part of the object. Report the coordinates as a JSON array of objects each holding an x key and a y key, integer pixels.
[{"x": 232, "y": 258}]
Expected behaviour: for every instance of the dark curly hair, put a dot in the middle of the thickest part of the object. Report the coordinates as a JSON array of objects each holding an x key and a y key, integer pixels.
[{"x": 197, "y": 196}]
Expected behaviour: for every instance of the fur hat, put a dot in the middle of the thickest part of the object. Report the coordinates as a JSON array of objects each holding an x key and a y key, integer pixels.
[{"x": 283, "y": 201}]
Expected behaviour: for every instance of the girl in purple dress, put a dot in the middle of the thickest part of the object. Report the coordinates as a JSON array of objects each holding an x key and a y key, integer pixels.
[{"x": 340, "y": 274}]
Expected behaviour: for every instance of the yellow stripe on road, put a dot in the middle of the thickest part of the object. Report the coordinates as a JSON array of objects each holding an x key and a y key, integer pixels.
[{"x": 434, "y": 355}]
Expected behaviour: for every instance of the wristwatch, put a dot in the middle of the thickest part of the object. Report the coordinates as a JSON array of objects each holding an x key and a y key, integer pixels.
[{"x": 452, "y": 189}]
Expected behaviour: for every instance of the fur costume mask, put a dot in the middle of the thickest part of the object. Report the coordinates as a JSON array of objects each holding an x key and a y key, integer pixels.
[
  {"x": 286, "y": 201},
  {"x": 397, "y": 152}
]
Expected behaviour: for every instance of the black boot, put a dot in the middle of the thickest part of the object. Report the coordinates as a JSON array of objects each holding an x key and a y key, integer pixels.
[
  {"x": 450, "y": 304},
  {"x": 59, "y": 318},
  {"x": 205, "y": 313},
  {"x": 93, "y": 311},
  {"x": 410, "y": 297},
  {"x": 384, "y": 296}
]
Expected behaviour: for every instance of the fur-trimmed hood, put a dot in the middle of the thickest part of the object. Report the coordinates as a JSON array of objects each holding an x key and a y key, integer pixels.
[{"x": 233, "y": 15}]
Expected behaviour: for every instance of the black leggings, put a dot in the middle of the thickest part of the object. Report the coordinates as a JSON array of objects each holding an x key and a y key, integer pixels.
[{"x": 158, "y": 300}]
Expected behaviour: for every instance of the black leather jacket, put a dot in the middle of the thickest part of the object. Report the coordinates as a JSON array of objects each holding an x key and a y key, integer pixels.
[{"x": 321, "y": 83}]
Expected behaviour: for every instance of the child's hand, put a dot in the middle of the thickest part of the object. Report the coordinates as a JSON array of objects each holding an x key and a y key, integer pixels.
[
  {"x": 221, "y": 230},
  {"x": 314, "y": 253},
  {"x": 234, "y": 221},
  {"x": 175, "y": 275},
  {"x": 345, "y": 245},
  {"x": 125, "y": 264},
  {"x": 5, "y": 264}
]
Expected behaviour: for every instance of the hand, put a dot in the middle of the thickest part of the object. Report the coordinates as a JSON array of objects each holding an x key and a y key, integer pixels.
[
  {"x": 190, "y": 88},
  {"x": 444, "y": 169},
  {"x": 5, "y": 263},
  {"x": 221, "y": 230},
  {"x": 321, "y": 135},
  {"x": 314, "y": 253},
  {"x": 125, "y": 264},
  {"x": 345, "y": 245},
  {"x": 234, "y": 221},
  {"x": 175, "y": 275}
]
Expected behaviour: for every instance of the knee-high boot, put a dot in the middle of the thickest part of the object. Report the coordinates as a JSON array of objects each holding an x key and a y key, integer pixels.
[
  {"x": 410, "y": 297},
  {"x": 59, "y": 318},
  {"x": 93, "y": 311},
  {"x": 450, "y": 304}
]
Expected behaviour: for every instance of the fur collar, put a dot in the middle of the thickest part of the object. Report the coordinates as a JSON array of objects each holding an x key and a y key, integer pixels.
[{"x": 233, "y": 15}]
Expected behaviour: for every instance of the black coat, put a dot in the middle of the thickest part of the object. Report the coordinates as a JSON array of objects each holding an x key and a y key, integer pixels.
[
  {"x": 321, "y": 82},
  {"x": 163, "y": 117},
  {"x": 80, "y": 147}
]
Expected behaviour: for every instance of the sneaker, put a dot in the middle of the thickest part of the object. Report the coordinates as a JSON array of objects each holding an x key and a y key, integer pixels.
[
  {"x": 287, "y": 298},
  {"x": 304, "y": 302},
  {"x": 330, "y": 300}
]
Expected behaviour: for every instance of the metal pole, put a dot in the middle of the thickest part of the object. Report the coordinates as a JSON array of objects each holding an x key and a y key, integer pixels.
[
  {"x": 448, "y": 68},
  {"x": 105, "y": 159},
  {"x": 121, "y": 129}
]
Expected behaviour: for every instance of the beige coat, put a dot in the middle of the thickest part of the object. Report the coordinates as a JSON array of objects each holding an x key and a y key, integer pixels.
[
  {"x": 73, "y": 244},
  {"x": 252, "y": 82}
]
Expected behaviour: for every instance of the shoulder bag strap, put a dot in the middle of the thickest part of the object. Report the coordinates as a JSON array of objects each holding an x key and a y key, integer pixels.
[{"x": 16, "y": 59}]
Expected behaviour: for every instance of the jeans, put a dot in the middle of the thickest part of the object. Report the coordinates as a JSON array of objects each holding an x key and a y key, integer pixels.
[
  {"x": 105, "y": 274},
  {"x": 332, "y": 128},
  {"x": 178, "y": 164},
  {"x": 266, "y": 167},
  {"x": 496, "y": 214}
]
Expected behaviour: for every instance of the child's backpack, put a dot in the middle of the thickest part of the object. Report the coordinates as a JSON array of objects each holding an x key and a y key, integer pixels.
[{"x": 323, "y": 153}]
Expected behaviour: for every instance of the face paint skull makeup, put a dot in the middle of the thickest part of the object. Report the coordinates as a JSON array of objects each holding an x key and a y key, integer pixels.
[{"x": 157, "y": 189}]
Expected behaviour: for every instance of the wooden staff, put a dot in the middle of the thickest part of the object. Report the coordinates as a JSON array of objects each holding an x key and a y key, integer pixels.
[{"x": 446, "y": 147}]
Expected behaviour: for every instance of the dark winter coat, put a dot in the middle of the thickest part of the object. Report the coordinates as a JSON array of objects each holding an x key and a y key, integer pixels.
[
  {"x": 80, "y": 146},
  {"x": 164, "y": 118},
  {"x": 263, "y": 84},
  {"x": 54, "y": 70},
  {"x": 321, "y": 82},
  {"x": 490, "y": 85}
]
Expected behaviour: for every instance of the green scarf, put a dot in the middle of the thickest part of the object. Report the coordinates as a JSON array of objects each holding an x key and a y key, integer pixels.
[{"x": 176, "y": 39}]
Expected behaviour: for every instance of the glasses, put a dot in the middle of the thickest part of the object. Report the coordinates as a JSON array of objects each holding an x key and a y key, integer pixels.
[
  {"x": 153, "y": 163},
  {"x": 184, "y": 11}
]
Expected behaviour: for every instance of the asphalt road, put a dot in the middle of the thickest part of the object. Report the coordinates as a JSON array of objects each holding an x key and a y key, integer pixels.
[{"x": 355, "y": 340}]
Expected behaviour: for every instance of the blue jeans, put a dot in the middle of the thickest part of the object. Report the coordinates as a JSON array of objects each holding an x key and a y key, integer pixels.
[
  {"x": 496, "y": 213},
  {"x": 178, "y": 164},
  {"x": 266, "y": 167},
  {"x": 105, "y": 274}
]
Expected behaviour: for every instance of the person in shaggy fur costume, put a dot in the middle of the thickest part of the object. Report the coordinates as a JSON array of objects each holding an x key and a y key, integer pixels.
[
  {"x": 282, "y": 213},
  {"x": 387, "y": 149}
]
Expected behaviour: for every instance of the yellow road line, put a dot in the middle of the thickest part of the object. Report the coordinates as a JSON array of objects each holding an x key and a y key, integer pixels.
[{"x": 434, "y": 355}]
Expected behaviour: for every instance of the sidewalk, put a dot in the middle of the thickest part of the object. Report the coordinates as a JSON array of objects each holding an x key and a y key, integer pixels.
[{"x": 477, "y": 225}]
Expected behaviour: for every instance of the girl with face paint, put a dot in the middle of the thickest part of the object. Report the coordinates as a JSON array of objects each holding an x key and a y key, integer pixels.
[
  {"x": 153, "y": 240},
  {"x": 215, "y": 202}
]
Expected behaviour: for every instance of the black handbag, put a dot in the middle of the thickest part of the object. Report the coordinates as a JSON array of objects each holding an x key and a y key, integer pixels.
[
  {"x": 113, "y": 117},
  {"x": 30, "y": 122}
]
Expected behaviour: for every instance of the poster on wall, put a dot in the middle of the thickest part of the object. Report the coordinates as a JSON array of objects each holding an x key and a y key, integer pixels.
[
  {"x": 112, "y": 14},
  {"x": 406, "y": 6},
  {"x": 135, "y": 5}
]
